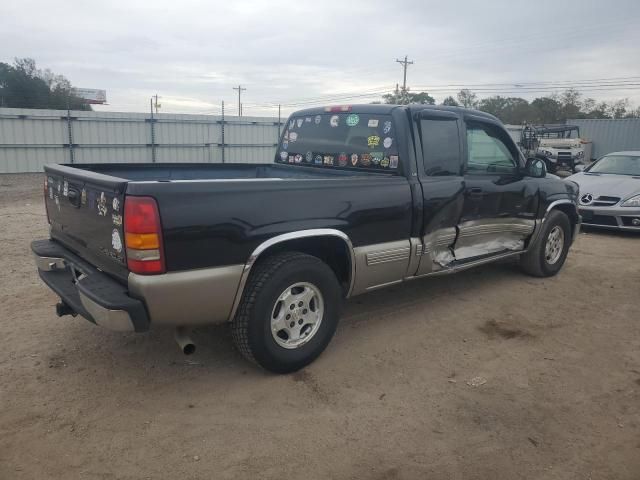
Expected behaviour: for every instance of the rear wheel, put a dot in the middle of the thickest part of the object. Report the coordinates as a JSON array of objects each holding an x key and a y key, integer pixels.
[
  {"x": 288, "y": 313},
  {"x": 548, "y": 253}
]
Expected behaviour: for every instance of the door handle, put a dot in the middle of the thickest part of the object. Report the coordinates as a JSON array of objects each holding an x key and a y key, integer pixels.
[{"x": 475, "y": 193}]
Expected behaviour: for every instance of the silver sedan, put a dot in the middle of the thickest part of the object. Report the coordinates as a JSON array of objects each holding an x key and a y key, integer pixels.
[{"x": 610, "y": 191}]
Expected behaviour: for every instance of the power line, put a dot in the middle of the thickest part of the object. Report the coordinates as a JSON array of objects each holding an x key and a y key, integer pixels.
[{"x": 586, "y": 82}]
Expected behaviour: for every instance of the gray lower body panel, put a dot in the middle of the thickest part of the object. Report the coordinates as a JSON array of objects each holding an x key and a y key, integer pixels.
[{"x": 189, "y": 298}]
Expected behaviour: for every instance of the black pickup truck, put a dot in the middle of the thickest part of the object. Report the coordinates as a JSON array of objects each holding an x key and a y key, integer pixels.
[{"x": 357, "y": 198}]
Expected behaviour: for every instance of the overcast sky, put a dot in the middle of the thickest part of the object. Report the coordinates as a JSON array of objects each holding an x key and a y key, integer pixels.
[{"x": 192, "y": 53}]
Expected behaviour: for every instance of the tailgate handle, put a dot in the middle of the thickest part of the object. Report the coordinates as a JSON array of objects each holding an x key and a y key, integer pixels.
[{"x": 74, "y": 197}]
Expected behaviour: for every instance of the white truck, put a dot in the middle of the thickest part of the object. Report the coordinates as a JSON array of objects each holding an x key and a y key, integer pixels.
[{"x": 560, "y": 146}]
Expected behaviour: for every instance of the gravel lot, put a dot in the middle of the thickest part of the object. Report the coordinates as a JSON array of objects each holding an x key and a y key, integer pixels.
[{"x": 392, "y": 397}]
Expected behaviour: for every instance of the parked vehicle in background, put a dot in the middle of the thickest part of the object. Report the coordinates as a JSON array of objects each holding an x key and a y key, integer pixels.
[
  {"x": 560, "y": 146},
  {"x": 610, "y": 192},
  {"x": 357, "y": 198}
]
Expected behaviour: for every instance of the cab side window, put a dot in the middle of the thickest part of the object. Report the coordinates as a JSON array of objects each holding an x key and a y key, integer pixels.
[
  {"x": 488, "y": 152},
  {"x": 440, "y": 146}
]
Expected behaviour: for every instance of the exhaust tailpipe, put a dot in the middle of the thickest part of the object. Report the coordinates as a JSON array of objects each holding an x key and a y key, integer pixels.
[{"x": 184, "y": 341}]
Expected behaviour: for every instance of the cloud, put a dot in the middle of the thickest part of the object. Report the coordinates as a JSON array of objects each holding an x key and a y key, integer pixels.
[{"x": 193, "y": 52}]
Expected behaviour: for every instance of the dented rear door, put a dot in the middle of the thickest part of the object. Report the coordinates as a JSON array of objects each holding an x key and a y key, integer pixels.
[{"x": 85, "y": 211}]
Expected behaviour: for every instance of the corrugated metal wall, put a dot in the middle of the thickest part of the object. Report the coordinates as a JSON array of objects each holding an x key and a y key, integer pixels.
[
  {"x": 29, "y": 138},
  {"x": 610, "y": 135}
]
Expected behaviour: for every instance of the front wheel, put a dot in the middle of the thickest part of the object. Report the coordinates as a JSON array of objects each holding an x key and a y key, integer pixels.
[
  {"x": 288, "y": 313},
  {"x": 547, "y": 254}
]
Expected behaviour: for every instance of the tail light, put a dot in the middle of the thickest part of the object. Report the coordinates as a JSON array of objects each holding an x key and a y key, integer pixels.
[
  {"x": 46, "y": 193},
  {"x": 143, "y": 236}
]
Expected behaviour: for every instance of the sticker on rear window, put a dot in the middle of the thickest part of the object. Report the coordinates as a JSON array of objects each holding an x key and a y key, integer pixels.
[
  {"x": 387, "y": 142},
  {"x": 373, "y": 141},
  {"x": 334, "y": 121},
  {"x": 386, "y": 127},
  {"x": 352, "y": 120},
  {"x": 373, "y": 123}
]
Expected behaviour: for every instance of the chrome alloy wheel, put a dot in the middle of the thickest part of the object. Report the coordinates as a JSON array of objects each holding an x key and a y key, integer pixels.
[
  {"x": 554, "y": 246},
  {"x": 297, "y": 315}
]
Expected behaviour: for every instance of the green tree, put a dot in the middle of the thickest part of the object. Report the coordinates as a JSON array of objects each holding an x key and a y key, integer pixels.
[
  {"x": 571, "y": 103},
  {"x": 467, "y": 98},
  {"x": 23, "y": 85},
  {"x": 493, "y": 105},
  {"x": 546, "y": 110},
  {"x": 635, "y": 113},
  {"x": 404, "y": 97},
  {"x": 450, "y": 101},
  {"x": 618, "y": 109}
]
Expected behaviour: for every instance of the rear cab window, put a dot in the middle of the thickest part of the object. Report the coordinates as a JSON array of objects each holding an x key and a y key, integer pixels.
[{"x": 340, "y": 140}]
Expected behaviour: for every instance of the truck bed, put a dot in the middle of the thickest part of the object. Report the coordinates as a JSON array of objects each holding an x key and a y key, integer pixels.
[
  {"x": 213, "y": 214},
  {"x": 220, "y": 171}
]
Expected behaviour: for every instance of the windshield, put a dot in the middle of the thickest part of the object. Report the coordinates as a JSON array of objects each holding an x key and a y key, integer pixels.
[
  {"x": 618, "y": 165},
  {"x": 340, "y": 140}
]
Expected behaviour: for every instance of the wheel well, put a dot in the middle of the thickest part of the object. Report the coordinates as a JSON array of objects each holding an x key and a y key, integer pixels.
[
  {"x": 332, "y": 250},
  {"x": 570, "y": 211}
]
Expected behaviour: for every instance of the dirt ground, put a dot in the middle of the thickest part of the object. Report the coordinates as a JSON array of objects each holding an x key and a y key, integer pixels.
[{"x": 399, "y": 393}]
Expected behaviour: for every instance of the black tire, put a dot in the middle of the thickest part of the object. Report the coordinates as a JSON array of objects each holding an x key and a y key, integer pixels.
[
  {"x": 251, "y": 327},
  {"x": 534, "y": 262}
]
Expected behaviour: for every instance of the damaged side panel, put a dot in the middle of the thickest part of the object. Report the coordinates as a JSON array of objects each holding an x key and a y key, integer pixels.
[
  {"x": 478, "y": 238},
  {"x": 436, "y": 250},
  {"x": 446, "y": 247}
]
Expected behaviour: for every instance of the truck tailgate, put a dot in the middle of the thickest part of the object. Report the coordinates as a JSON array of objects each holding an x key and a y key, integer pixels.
[{"x": 85, "y": 210}]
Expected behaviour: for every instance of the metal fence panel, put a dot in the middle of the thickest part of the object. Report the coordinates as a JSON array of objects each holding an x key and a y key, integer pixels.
[
  {"x": 610, "y": 135},
  {"x": 31, "y": 138},
  {"x": 109, "y": 154}
]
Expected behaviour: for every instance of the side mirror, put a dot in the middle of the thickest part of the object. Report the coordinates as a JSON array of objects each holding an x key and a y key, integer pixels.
[
  {"x": 535, "y": 167},
  {"x": 579, "y": 167}
]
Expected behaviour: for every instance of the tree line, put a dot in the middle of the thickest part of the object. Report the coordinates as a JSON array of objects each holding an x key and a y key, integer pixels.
[
  {"x": 555, "y": 108},
  {"x": 23, "y": 85}
]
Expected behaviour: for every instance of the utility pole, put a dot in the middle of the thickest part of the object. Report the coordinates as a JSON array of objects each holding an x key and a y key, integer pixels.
[
  {"x": 405, "y": 63},
  {"x": 240, "y": 89},
  {"x": 156, "y": 104},
  {"x": 279, "y": 121},
  {"x": 153, "y": 132},
  {"x": 222, "y": 126}
]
